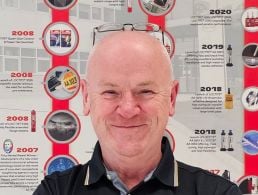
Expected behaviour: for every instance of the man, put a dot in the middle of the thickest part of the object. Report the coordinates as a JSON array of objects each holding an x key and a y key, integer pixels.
[
  {"x": 8, "y": 146},
  {"x": 130, "y": 93}
]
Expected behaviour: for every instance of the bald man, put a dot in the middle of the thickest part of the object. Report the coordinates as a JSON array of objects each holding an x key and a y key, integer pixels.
[{"x": 130, "y": 93}]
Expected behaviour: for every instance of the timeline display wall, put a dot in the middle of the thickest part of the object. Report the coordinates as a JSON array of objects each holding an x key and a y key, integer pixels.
[{"x": 44, "y": 48}]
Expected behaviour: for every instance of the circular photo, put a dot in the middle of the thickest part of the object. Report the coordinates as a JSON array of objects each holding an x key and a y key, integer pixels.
[
  {"x": 167, "y": 40},
  {"x": 249, "y": 185},
  {"x": 250, "y": 19},
  {"x": 8, "y": 146},
  {"x": 250, "y": 142},
  {"x": 250, "y": 55},
  {"x": 157, "y": 7},
  {"x": 60, "y": 38},
  {"x": 250, "y": 99},
  {"x": 62, "y": 82},
  {"x": 59, "y": 163},
  {"x": 62, "y": 126},
  {"x": 60, "y": 4}
]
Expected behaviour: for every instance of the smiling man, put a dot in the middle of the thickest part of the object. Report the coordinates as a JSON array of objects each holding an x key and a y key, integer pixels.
[{"x": 130, "y": 93}]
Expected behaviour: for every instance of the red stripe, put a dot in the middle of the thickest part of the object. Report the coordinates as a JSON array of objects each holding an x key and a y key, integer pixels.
[
  {"x": 60, "y": 105},
  {"x": 160, "y": 20},
  {"x": 60, "y": 60},
  {"x": 59, "y": 149},
  {"x": 250, "y": 79},
  {"x": 60, "y": 16}
]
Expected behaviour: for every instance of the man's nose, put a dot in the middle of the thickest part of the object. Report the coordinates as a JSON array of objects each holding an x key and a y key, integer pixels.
[{"x": 128, "y": 106}]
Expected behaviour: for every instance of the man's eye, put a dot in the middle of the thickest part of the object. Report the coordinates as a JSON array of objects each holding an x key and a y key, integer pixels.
[
  {"x": 109, "y": 94},
  {"x": 147, "y": 92}
]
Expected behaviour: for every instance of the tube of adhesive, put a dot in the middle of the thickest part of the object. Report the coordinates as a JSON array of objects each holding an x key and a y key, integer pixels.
[
  {"x": 33, "y": 121},
  {"x": 230, "y": 141},
  {"x": 129, "y": 6},
  {"x": 223, "y": 141}
]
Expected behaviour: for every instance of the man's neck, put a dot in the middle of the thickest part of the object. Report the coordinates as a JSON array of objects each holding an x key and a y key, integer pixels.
[{"x": 132, "y": 170}]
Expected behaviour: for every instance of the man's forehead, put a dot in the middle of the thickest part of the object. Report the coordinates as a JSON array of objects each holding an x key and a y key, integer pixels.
[{"x": 105, "y": 83}]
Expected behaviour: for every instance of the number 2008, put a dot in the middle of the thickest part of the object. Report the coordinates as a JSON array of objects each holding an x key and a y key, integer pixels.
[{"x": 22, "y": 33}]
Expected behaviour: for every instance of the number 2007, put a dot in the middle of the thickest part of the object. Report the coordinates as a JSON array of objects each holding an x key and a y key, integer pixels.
[{"x": 27, "y": 149}]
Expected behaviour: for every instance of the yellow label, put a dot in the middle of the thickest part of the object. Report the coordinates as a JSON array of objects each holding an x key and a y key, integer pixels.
[
  {"x": 70, "y": 81},
  {"x": 228, "y": 101}
]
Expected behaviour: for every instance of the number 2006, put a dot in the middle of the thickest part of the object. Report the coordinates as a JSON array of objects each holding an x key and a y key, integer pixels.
[{"x": 27, "y": 150}]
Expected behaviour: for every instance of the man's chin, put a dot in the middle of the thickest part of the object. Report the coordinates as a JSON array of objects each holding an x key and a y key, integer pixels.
[{"x": 129, "y": 148}]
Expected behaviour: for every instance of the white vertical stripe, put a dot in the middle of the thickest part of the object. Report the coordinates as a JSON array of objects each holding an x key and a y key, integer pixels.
[
  {"x": 86, "y": 182},
  {"x": 176, "y": 183}
]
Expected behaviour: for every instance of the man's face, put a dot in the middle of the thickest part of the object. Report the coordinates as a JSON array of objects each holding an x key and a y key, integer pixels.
[
  {"x": 8, "y": 146},
  {"x": 130, "y": 100}
]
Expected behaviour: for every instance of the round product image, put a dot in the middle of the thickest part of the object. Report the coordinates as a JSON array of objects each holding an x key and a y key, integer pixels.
[
  {"x": 60, "y": 38},
  {"x": 250, "y": 142},
  {"x": 62, "y": 82},
  {"x": 250, "y": 19},
  {"x": 60, "y": 4},
  {"x": 59, "y": 163},
  {"x": 249, "y": 185},
  {"x": 250, "y": 99},
  {"x": 157, "y": 7},
  {"x": 250, "y": 55},
  {"x": 62, "y": 126}
]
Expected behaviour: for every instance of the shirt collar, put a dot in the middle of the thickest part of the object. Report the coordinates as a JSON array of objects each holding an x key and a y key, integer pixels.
[
  {"x": 166, "y": 171},
  {"x": 95, "y": 169}
]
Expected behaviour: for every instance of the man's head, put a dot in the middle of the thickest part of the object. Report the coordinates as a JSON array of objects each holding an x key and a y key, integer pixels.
[
  {"x": 8, "y": 146},
  {"x": 129, "y": 92}
]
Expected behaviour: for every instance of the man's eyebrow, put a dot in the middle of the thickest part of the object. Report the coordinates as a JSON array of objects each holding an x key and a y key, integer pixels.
[
  {"x": 146, "y": 83},
  {"x": 107, "y": 84}
]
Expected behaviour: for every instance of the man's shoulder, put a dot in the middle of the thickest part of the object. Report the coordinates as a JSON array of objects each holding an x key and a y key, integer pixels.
[
  {"x": 204, "y": 180},
  {"x": 199, "y": 173},
  {"x": 73, "y": 172},
  {"x": 63, "y": 182}
]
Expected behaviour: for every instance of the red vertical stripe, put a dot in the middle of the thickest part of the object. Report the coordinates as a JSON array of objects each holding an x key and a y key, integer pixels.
[
  {"x": 160, "y": 20},
  {"x": 60, "y": 16},
  {"x": 250, "y": 79},
  {"x": 59, "y": 149}
]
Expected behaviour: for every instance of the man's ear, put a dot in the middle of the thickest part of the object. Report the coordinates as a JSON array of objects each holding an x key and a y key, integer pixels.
[
  {"x": 173, "y": 94},
  {"x": 85, "y": 97}
]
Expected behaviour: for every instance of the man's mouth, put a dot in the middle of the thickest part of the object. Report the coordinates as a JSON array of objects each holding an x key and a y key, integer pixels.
[{"x": 128, "y": 126}]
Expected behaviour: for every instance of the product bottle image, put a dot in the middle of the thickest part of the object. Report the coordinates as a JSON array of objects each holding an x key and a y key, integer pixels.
[
  {"x": 228, "y": 100},
  {"x": 33, "y": 121},
  {"x": 230, "y": 141},
  {"x": 223, "y": 141},
  {"x": 229, "y": 52},
  {"x": 247, "y": 20},
  {"x": 129, "y": 6}
]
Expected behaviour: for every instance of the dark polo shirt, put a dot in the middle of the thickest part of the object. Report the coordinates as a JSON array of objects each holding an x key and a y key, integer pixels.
[{"x": 170, "y": 178}]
